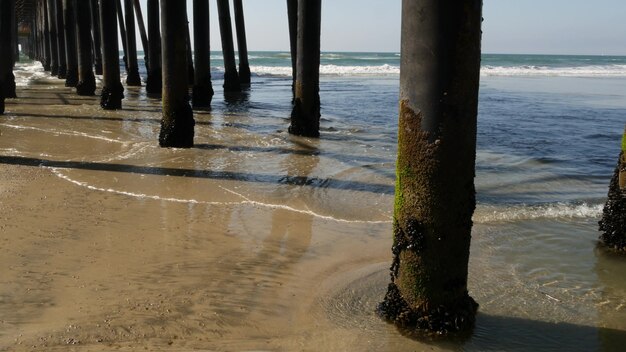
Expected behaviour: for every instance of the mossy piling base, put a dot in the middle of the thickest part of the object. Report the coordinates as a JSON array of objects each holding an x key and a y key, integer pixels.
[
  {"x": 613, "y": 222},
  {"x": 111, "y": 98},
  {"x": 438, "y": 321},
  {"x": 177, "y": 127}
]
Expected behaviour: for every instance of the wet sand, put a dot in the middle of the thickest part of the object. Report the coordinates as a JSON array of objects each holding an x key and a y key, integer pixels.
[{"x": 108, "y": 243}]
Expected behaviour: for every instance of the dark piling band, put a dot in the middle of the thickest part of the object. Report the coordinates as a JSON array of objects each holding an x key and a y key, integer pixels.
[
  {"x": 71, "y": 79},
  {"x": 111, "y": 98},
  {"x": 177, "y": 127},
  {"x": 202, "y": 95},
  {"x": 154, "y": 82},
  {"x": 86, "y": 87}
]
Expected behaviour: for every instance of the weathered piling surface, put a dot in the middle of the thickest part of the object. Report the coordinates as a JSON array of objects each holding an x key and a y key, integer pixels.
[
  {"x": 6, "y": 61},
  {"x": 154, "y": 80},
  {"x": 231, "y": 77},
  {"x": 7, "y": 79},
  {"x": 242, "y": 44},
  {"x": 202, "y": 87},
  {"x": 142, "y": 31},
  {"x": 96, "y": 36},
  {"x": 190, "y": 69},
  {"x": 58, "y": 11},
  {"x": 613, "y": 222},
  {"x": 120, "y": 20},
  {"x": 112, "y": 89},
  {"x": 435, "y": 195},
  {"x": 292, "y": 15},
  {"x": 177, "y": 124},
  {"x": 54, "y": 45},
  {"x": 86, "y": 85},
  {"x": 47, "y": 65},
  {"x": 305, "y": 116},
  {"x": 132, "y": 79},
  {"x": 71, "y": 53}
]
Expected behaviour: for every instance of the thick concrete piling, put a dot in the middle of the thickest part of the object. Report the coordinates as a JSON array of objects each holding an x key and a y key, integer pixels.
[
  {"x": 613, "y": 222},
  {"x": 47, "y": 65},
  {"x": 242, "y": 44},
  {"x": 120, "y": 20},
  {"x": 132, "y": 79},
  {"x": 154, "y": 80},
  {"x": 231, "y": 77},
  {"x": 58, "y": 11},
  {"x": 142, "y": 31},
  {"x": 112, "y": 90},
  {"x": 52, "y": 30},
  {"x": 435, "y": 195},
  {"x": 202, "y": 87},
  {"x": 292, "y": 16},
  {"x": 96, "y": 35},
  {"x": 86, "y": 79},
  {"x": 71, "y": 53},
  {"x": 7, "y": 8},
  {"x": 305, "y": 116},
  {"x": 177, "y": 124}
]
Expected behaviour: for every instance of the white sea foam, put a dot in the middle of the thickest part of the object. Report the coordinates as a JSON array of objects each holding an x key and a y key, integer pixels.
[
  {"x": 544, "y": 71},
  {"x": 489, "y": 214},
  {"x": 244, "y": 200},
  {"x": 332, "y": 70}
]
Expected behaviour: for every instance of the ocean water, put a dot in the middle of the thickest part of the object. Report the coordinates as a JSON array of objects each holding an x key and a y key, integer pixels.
[{"x": 549, "y": 133}]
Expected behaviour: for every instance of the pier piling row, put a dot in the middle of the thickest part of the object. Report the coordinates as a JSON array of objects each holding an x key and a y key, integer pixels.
[{"x": 440, "y": 64}]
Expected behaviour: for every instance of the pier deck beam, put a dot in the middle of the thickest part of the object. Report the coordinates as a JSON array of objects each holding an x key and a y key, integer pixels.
[
  {"x": 305, "y": 116},
  {"x": 177, "y": 124},
  {"x": 132, "y": 79},
  {"x": 154, "y": 80},
  {"x": 202, "y": 88},
  {"x": 435, "y": 194},
  {"x": 231, "y": 77},
  {"x": 86, "y": 79},
  {"x": 112, "y": 90}
]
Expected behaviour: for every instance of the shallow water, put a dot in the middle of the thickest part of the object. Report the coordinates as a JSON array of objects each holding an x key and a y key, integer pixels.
[{"x": 257, "y": 240}]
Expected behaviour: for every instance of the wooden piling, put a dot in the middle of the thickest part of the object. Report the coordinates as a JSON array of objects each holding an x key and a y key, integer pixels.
[
  {"x": 54, "y": 44},
  {"x": 177, "y": 125},
  {"x": 71, "y": 53},
  {"x": 86, "y": 79},
  {"x": 435, "y": 195},
  {"x": 202, "y": 88},
  {"x": 190, "y": 69},
  {"x": 231, "y": 77},
  {"x": 142, "y": 31},
  {"x": 112, "y": 90},
  {"x": 132, "y": 79},
  {"x": 242, "y": 44},
  {"x": 154, "y": 80},
  {"x": 305, "y": 116},
  {"x": 47, "y": 64},
  {"x": 7, "y": 9},
  {"x": 122, "y": 25},
  {"x": 292, "y": 16},
  {"x": 96, "y": 35},
  {"x": 58, "y": 11},
  {"x": 9, "y": 78}
]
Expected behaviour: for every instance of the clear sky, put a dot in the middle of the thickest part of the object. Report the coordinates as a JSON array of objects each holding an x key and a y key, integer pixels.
[{"x": 510, "y": 26}]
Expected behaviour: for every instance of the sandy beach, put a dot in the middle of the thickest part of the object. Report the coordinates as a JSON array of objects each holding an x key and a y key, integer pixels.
[{"x": 258, "y": 241}]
